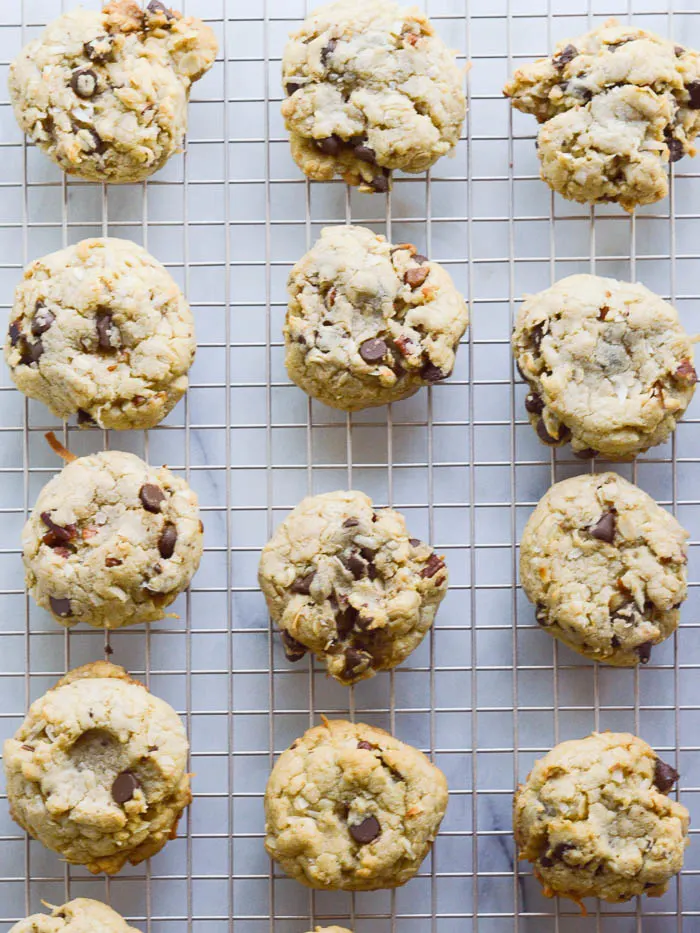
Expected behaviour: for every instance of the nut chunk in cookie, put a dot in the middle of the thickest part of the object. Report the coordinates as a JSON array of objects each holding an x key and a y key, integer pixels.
[
  {"x": 79, "y": 916},
  {"x": 369, "y": 323},
  {"x": 347, "y": 583},
  {"x": 348, "y": 807},
  {"x": 595, "y": 819},
  {"x": 616, "y": 105},
  {"x": 101, "y": 330},
  {"x": 104, "y": 93},
  {"x": 609, "y": 366},
  {"x": 370, "y": 89},
  {"x": 606, "y": 568},
  {"x": 98, "y": 770},
  {"x": 111, "y": 541}
]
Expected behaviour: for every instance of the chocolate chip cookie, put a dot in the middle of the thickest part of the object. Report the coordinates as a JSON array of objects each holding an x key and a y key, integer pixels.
[
  {"x": 617, "y": 105},
  {"x": 101, "y": 330},
  {"x": 347, "y": 583},
  {"x": 371, "y": 89},
  {"x": 369, "y": 323},
  {"x": 605, "y": 567},
  {"x": 609, "y": 365},
  {"x": 350, "y": 808},
  {"x": 595, "y": 819},
  {"x": 111, "y": 541},
  {"x": 104, "y": 94},
  {"x": 79, "y": 916},
  {"x": 98, "y": 770}
]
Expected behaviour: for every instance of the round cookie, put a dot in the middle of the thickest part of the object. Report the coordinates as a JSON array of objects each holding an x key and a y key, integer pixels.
[
  {"x": 605, "y": 567},
  {"x": 79, "y": 916},
  {"x": 350, "y": 808},
  {"x": 594, "y": 818},
  {"x": 101, "y": 329},
  {"x": 369, "y": 323},
  {"x": 617, "y": 105},
  {"x": 98, "y": 770},
  {"x": 330, "y": 930},
  {"x": 111, "y": 541},
  {"x": 609, "y": 365},
  {"x": 104, "y": 94},
  {"x": 371, "y": 89},
  {"x": 348, "y": 584}
]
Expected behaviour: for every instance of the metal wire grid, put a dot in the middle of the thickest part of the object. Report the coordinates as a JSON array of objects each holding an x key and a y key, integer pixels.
[{"x": 488, "y": 692}]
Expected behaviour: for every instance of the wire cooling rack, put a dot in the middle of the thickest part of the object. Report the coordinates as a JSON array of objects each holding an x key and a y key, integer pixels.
[{"x": 488, "y": 692}]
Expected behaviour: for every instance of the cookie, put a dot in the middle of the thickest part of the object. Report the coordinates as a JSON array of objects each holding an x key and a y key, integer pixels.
[
  {"x": 369, "y": 323},
  {"x": 606, "y": 568},
  {"x": 98, "y": 770},
  {"x": 79, "y": 916},
  {"x": 609, "y": 365},
  {"x": 350, "y": 808},
  {"x": 348, "y": 584},
  {"x": 101, "y": 330},
  {"x": 104, "y": 94},
  {"x": 371, "y": 89},
  {"x": 616, "y": 106},
  {"x": 595, "y": 819},
  {"x": 330, "y": 930},
  {"x": 111, "y": 541}
]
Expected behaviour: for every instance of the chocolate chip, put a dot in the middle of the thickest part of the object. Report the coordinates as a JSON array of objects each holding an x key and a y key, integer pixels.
[
  {"x": 100, "y": 49},
  {"x": 294, "y": 650},
  {"x": 167, "y": 541},
  {"x": 113, "y": 562},
  {"x": 419, "y": 257},
  {"x": 416, "y": 277},
  {"x": 366, "y": 746},
  {"x": 534, "y": 404},
  {"x": 351, "y": 523},
  {"x": 105, "y": 326},
  {"x": 374, "y": 350},
  {"x": 99, "y": 147},
  {"x": 380, "y": 184},
  {"x": 679, "y": 50},
  {"x": 152, "y": 497},
  {"x": 686, "y": 372},
  {"x": 355, "y": 565},
  {"x": 664, "y": 776},
  {"x": 675, "y": 148},
  {"x": 292, "y": 87},
  {"x": 559, "y": 850},
  {"x": 84, "y": 83},
  {"x": 432, "y": 373},
  {"x": 345, "y": 621},
  {"x": 644, "y": 651},
  {"x": 14, "y": 333},
  {"x": 155, "y": 6},
  {"x": 365, "y": 154},
  {"x": 124, "y": 787},
  {"x": 431, "y": 568},
  {"x": 541, "y": 614},
  {"x": 31, "y": 352},
  {"x": 302, "y": 585},
  {"x": 58, "y": 532},
  {"x": 693, "y": 90},
  {"x": 586, "y": 454},
  {"x": 546, "y": 862},
  {"x": 604, "y": 529},
  {"x": 28, "y": 748},
  {"x": 564, "y": 57},
  {"x": 615, "y": 642},
  {"x": 546, "y": 437},
  {"x": 366, "y": 831},
  {"x": 42, "y": 320},
  {"x": 330, "y": 146},
  {"x": 85, "y": 418},
  {"x": 415, "y": 542},
  {"x": 328, "y": 50},
  {"x": 354, "y": 660},
  {"x": 368, "y": 553},
  {"x": 60, "y": 607},
  {"x": 536, "y": 335}
]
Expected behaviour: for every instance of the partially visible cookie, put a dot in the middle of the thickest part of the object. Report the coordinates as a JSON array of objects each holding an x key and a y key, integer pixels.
[
  {"x": 617, "y": 105},
  {"x": 104, "y": 94},
  {"x": 331, "y": 930},
  {"x": 350, "y": 808},
  {"x": 111, "y": 541},
  {"x": 369, "y": 323},
  {"x": 348, "y": 584},
  {"x": 606, "y": 568},
  {"x": 98, "y": 770},
  {"x": 79, "y": 916},
  {"x": 371, "y": 89},
  {"x": 609, "y": 364},
  {"x": 101, "y": 330},
  {"x": 595, "y": 819}
]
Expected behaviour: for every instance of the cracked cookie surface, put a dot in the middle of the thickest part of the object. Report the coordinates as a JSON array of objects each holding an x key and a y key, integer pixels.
[
  {"x": 371, "y": 89},
  {"x": 104, "y": 94},
  {"x": 97, "y": 771},
  {"x": 595, "y": 818},
  {"x": 369, "y": 323},
  {"x": 617, "y": 105},
  {"x": 111, "y": 541},
  {"x": 606, "y": 568},
  {"x": 81, "y": 915},
  {"x": 348, "y": 807},
  {"x": 609, "y": 364},
  {"x": 348, "y": 584},
  {"x": 101, "y": 330}
]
